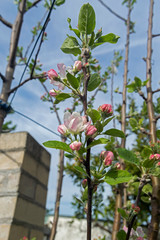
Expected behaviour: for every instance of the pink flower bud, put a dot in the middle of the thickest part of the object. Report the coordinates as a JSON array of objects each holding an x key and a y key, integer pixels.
[
  {"x": 84, "y": 183},
  {"x": 62, "y": 129},
  {"x": 118, "y": 165},
  {"x": 140, "y": 238},
  {"x": 151, "y": 156},
  {"x": 157, "y": 156},
  {"x": 24, "y": 238},
  {"x": 135, "y": 208},
  {"x": 43, "y": 96},
  {"x": 75, "y": 145},
  {"x": 108, "y": 158},
  {"x": 91, "y": 130},
  {"x": 53, "y": 93},
  {"x": 84, "y": 118},
  {"x": 158, "y": 164},
  {"x": 52, "y": 74},
  {"x": 77, "y": 66},
  {"x": 106, "y": 108}
]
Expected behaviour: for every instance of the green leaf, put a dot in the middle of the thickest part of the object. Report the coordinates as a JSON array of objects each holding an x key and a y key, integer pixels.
[
  {"x": 94, "y": 82},
  {"x": 138, "y": 82},
  {"x": 146, "y": 199},
  {"x": 133, "y": 122},
  {"x": 115, "y": 133},
  {"x": 128, "y": 156},
  {"x": 91, "y": 41},
  {"x": 61, "y": 97},
  {"x": 147, "y": 189},
  {"x": 148, "y": 163},
  {"x": 99, "y": 126},
  {"x": 59, "y": 2},
  {"x": 121, "y": 235},
  {"x": 115, "y": 176},
  {"x": 86, "y": 19},
  {"x": 98, "y": 141},
  {"x": 110, "y": 38},
  {"x": 58, "y": 145},
  {"x": 155, "y": 172},
  {"x": 107, "y": 121},
  {"x": 94, "y": 115},
  {"x": 81, "y": 170},
  {"x": 123, "y": 213},
  {"x": 85, "y": 194},
  {"x": 72, "y": 80},
  {"x": 71, "y": 46},
  {"x": 68, "y": 155},
  {"x": 79, "y": 200}
]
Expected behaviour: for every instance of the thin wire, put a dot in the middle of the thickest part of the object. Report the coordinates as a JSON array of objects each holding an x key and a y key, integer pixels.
[
  {"x": 42, "y": 30},
  {"x": 39, "y": 124}
]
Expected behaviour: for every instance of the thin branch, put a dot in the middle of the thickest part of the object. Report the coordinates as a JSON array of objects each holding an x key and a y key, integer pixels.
[
  {"x": 155, "y": 35},
  {"x": 3, "y": 77},
  {"x": 155, "y": 91},
  {"x": 34, "y": 4},
  {"x": 114, "y": 13},
  {"x": 145, "y": 132},
  {"x": 157, "y": 117},
  {"x": 142, "y": 95},
  {"x": 22, "y": 83},
  {"x": 102, "y": 227},
  {"x": 5, "y": 22}
]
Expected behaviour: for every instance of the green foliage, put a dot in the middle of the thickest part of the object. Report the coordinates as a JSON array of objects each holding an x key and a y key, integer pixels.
[
  {"x": 110, "y": 38},
  {"x": 94, "y": 115},
  {"x": 8, "y": 127},
  {"x": 123, "y": 213},
  {"x": 61, "y": 97},
  {"x": 97, "y": 142},
  {"x": 114, "y": 133},
  {"x": 71, "y": 46},
  {"x": 115, "y": 176},
  {"x": 94, "y": 82},
  {"x": 74, "y": 82},
  {"x": 58, "y": 145},
  {"x": 121, "y": 235},
  {"x": 128, "y": 156},
  {"x": 87, "y": 19}
]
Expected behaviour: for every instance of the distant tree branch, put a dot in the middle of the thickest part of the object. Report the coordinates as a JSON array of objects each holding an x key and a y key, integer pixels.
[
  {"x": 102, "y": 227},
  {"x": 155, "y": 91},
  {"x": 155, "y": 35},
  {"x": 157, "y": 117},
  {"x": 144, "y": 131},
  {"x": 110, "y": 10},
  {"x": 5, "y": 22}
]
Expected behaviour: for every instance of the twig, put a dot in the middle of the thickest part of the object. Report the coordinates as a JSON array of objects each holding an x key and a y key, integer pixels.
[
  {"x": 157, "y": 117},
  {"x": 34, "y": 4},
  {"x": 22, "y": 83},
  {"x": 142, "y": 95},
  {"x": 155, "y": 35},
  {"x": 114, "y": 13},
  {"x": 5, "y": 22},
  {"x": 3, "y": 77},
  {"x": 145, "y": 132},
  {"x": 141, "y": 185},
  {"x": 155, "y": 91},
  {"x": 102, "y": 227}
]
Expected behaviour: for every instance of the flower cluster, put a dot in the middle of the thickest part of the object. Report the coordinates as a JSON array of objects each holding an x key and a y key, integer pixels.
[
  {"x": 135, "y": 208},
  {"x": 106, "y": 110},
  {"x": 136, "y": 235},
  {"x": 155, "y": 157}
]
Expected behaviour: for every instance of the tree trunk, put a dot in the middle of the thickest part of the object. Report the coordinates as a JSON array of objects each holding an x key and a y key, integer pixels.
[
  {"x": 16, "y": 29},
  {"x": 155, "y": 200},
  {"x": 116, "y": 224}
]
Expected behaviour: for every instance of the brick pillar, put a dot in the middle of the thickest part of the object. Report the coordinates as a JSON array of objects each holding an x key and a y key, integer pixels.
[{"x": 24, "y": 169}]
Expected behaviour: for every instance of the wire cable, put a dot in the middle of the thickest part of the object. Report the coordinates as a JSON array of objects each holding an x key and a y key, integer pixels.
[
  {"x": 39, "y": 124},
  {"x": 42, "y": 30}
]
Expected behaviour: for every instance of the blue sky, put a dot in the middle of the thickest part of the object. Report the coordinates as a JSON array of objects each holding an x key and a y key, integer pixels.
[{"x": 27, "y": 99}]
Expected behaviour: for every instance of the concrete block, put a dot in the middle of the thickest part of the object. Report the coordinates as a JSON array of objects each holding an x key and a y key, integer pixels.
[
  {"x": 27, "y": 186},
  {"x": 13, "y": 140},
  {"x": 45, "y": 157},
  {"x": 8, "y": 204},
  {"x": 17, "y": 232},
  {"x": 29, "y": 212},
  {"x": 30, "y": 165},
  {"x": 4, "y": 231},
  {"x": 11, "y": 160},
  {"x": 42, "y": 174},
  {"x": 41, "y": 195},
  {"x": 9, "y": 181}
]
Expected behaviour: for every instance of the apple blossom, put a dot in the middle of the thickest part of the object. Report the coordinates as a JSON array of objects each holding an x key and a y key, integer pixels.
[
  {"x": 91, "y": 130},
  {"x": 158, "y": 164},
  {"x": 157, "y": 156},
  {"x": 118, "y": 165},
  {"x": 74, "y": 122},
  {"x": 108, "y": 158},
  {"x": 151, "y": 156},
  {"x": 62, "y": 129},
  {"x": 75, "y": 145},
  {"x": 62, "y": 70}
]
